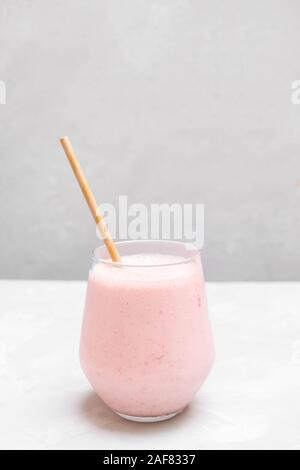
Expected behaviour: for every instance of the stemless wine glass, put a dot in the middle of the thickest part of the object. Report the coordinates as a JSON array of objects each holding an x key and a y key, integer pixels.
[{"x": 146, "y": 340}]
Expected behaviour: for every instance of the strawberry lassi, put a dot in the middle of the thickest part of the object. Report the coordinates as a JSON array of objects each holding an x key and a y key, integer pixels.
[{"x": 146, "y": 342}]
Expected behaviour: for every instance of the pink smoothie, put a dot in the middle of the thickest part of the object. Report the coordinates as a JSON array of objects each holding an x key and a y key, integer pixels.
[{"x": 146, "y": 344}]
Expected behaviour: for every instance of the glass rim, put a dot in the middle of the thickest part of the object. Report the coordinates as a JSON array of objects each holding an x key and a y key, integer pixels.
[{"x": 190, "y": 248}]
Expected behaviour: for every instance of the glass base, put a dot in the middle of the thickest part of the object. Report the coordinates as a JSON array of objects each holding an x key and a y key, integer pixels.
[{"x": 149, "y": 419}]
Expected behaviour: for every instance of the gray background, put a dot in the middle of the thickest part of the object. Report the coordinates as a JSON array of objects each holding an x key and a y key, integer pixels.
[{"x": 165, "y": 101}]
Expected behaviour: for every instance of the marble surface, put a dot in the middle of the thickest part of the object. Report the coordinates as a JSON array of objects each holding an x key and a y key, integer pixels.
[{"x": 251, "y": 399}]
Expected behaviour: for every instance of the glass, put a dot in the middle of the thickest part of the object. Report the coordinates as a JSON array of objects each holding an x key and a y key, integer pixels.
[{"x": 146, "y": 341}]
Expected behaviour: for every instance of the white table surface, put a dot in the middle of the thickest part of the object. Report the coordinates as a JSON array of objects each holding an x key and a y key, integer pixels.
[{"x": 251, "y": 400}]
